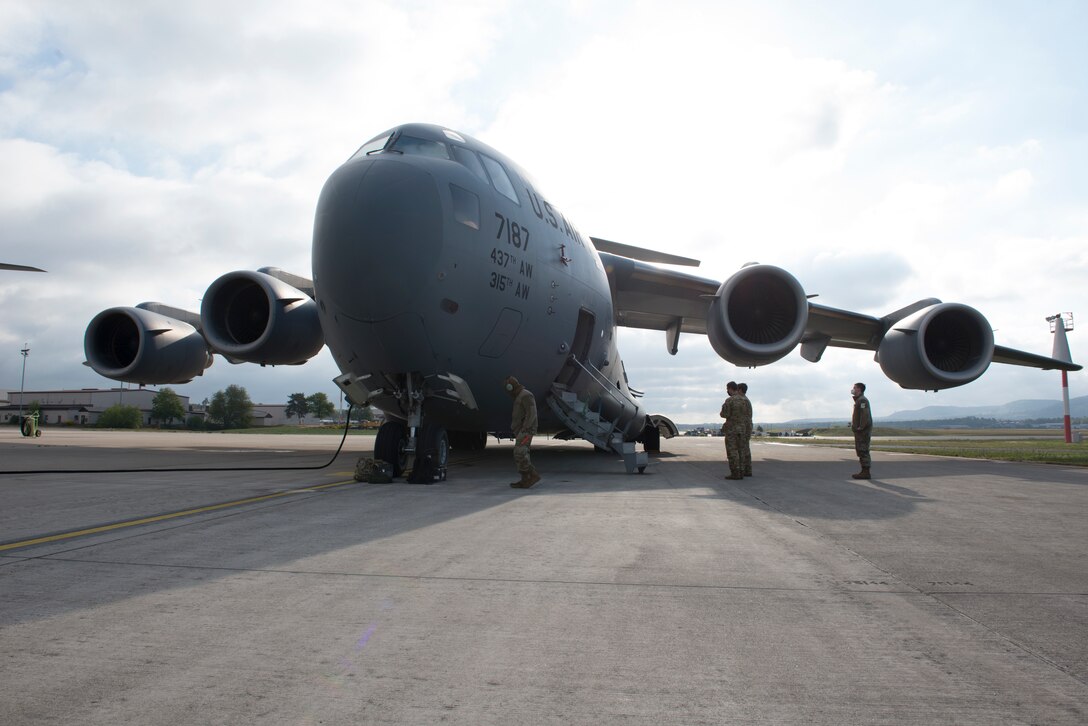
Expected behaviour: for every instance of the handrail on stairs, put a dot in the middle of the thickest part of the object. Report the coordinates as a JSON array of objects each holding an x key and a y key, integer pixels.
[{"x": 596, "y": 375}]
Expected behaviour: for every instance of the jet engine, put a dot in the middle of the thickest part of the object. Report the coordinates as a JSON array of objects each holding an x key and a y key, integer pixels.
[
  {"x": 254, "y": 317},
  {"x": 941, "y": 346},
  {"x": 140, "y": 346},
  {"x": 758, "y": 316}
]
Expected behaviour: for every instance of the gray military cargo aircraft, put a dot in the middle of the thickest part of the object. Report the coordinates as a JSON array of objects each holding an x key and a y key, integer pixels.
[{"x": 440, "y": 268}]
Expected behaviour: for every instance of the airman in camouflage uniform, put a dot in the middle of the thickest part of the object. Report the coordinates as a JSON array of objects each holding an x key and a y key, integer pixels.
[
  {"x": 733, "y": 413},
  {"x": 746, "y": 440},
  {"x": 862, "y": 425},
  {"x": 523, "y": 423}
]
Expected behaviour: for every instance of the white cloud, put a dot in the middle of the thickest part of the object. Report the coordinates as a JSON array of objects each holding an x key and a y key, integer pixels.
[
  {"x": 1017, "y": 153},
  {"x": 147, "y": 148},
  {"x": 1014, "y": 186}
]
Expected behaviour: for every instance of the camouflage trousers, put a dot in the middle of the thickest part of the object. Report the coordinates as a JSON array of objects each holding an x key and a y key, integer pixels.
[
  {"x": 733, "y": 445},
  {"x": 522, "y": 442},
  {"x": 746, "y": 454},
  {"x": 861, "y": 446}
]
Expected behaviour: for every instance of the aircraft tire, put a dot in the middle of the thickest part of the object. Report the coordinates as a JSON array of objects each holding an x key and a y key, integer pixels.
[
  {"x": 389, "y": 445},
  {"x": 651, "y": 438},
  {"x": 432, "y": 455}
]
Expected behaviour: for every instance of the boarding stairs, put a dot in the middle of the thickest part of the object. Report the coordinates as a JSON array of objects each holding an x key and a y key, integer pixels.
[{"x": 574, "y": 410}]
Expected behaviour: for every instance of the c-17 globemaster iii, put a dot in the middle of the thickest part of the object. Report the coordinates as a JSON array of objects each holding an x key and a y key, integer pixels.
[{"x": 440, "y": 268}]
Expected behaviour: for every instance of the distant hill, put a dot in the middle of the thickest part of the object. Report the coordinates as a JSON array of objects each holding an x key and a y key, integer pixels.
[
  {"x": 1015, "y": 411},
  {"x": 1022, "y": 410}
]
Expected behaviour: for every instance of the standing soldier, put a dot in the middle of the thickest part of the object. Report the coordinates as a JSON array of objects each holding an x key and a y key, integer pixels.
[
  {"x": 733, "y": 413},
  {"x": 523, "y": 424},
  {"x": 746, "y": 439},
  {"x": 862, "y": 426}
]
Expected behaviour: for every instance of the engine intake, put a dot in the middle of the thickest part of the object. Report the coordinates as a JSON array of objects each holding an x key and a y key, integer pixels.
[
  {"x": 139, "y": 346},
  {"x": 942, "y": 346},
  {"x": 758, "y": 316},
  {"x": 254, "y": 317}
]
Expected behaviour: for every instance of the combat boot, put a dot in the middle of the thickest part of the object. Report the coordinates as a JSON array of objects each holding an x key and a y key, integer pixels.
[
  {"x": 523, "y": 482},
  {"x": 863, "y": 474},
  {"x": 532, "y": 477}
]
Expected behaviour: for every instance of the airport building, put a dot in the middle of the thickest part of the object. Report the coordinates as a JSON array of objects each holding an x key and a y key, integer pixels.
[
  {"x": 79, "y": 407},
  {"x": 83, "y": 406}
]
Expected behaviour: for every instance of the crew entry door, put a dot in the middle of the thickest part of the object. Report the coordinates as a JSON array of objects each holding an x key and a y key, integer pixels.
[{"x": 583, "y": 340}]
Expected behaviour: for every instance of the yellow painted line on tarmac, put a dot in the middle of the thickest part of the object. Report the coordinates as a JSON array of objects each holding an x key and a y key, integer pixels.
[{"x": 163, "y": 517}]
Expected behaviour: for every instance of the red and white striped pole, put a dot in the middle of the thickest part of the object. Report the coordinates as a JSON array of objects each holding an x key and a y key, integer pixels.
[
  {"x": 1061, "y": 323},
  {"x": 1065, "y": 404}
]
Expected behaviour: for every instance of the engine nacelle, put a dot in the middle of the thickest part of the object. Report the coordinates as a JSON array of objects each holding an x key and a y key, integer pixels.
[
  {"x": 255, "y": 317},
  {"x": 758, "y": 316},
  {"x": 139, "y": 346},
  {"x": 942, "y": 346}
]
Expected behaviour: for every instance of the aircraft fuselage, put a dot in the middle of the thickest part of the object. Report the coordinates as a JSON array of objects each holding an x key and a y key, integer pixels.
[{"x": 433, "y": 254}]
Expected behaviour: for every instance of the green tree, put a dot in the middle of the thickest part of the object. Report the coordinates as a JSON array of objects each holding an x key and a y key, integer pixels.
[
  {"x": 231, "y": 408},
  {"x": 320, "y": 405},
  {"x": 166, "y": 406},
  {"x": 297, "y": 405},
  {"x": 120, "y": 416}
]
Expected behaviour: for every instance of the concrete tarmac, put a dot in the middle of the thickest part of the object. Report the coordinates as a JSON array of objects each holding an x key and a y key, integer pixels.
[{"x": 944, "y": 591}]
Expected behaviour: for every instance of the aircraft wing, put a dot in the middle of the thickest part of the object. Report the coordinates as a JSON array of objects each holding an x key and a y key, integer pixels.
[
  {"x": 650, "y": 297},
  {"x": 654, "y": 298},
  {"x": 19, "y": 268},
  {"x": 1011, "y": 356}
]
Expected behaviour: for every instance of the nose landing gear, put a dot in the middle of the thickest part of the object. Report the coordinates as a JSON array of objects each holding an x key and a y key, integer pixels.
[
  {"x": 407, "y": 441},
  {"x": 426, "y": 464},
  {"x": 420, "y": 450}
]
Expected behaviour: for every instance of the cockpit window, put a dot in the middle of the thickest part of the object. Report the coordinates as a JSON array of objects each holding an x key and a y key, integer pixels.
[
  {"x": 499, "y": 178},
  {"x": 373, "y": 146},
  {"x": 468, "y": 159},
  {"x": 420, "y": 147}
]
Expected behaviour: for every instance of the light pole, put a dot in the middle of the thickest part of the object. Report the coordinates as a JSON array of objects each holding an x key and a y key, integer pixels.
[
  {"x": 22, "y": 382},
  {"x": 1059, "y": 324}
]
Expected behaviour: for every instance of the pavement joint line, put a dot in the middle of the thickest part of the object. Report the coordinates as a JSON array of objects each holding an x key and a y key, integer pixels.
[
  {"x": 98, "y": 529},
  {"x": 505, "y": 580}
]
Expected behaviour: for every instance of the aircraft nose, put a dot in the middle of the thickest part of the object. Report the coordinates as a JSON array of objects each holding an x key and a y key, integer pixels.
[{"x": 377, "y": 236}]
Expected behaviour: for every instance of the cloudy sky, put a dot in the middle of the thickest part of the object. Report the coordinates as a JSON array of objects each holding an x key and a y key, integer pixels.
[{"x": 881, "y": 152}]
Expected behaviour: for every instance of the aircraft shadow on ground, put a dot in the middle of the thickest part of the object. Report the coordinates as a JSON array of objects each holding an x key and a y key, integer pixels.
[{"x": 189, "y": 551}]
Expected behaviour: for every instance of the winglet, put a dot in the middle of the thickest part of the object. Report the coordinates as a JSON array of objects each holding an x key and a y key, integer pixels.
[{"x": 1061, "y": 343}]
